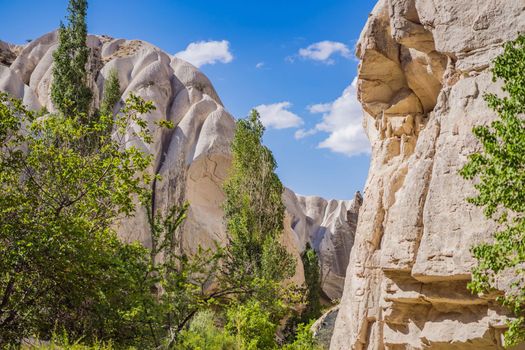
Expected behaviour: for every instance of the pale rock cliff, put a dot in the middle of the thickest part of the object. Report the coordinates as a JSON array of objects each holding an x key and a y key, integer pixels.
[
  {"x": 424, "y": 69},
  {"x": 328, "y": 226},
  {"x": 194, "y": 157}
]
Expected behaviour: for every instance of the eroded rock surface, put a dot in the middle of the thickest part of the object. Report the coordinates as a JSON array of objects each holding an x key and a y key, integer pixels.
[
  {"x": 329, "y": 227},
  {"x": 323, "y": 328},
  {"x": 423, "y": 73},
  {"x": 194, "y": 157}
]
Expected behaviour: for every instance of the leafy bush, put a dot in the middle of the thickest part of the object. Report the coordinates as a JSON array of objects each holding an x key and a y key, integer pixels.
[
  {"x": 304, "y": 339},
  {"x": 203, "y": 334},
  {"x": 251, "y": 326}
]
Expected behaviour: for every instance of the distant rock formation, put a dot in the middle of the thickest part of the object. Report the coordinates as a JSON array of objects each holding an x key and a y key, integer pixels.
[
  {"x": 193, "y": 158},
  {"x": 424, "y": 69},
  {"x": 8, "y": 52},
  {"x": 329, "y": 227}
]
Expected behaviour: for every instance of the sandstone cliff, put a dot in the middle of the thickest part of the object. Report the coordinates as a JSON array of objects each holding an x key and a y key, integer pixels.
[
  {"x": 424, "y": 69},
  {"x": 193, "y": 158}
]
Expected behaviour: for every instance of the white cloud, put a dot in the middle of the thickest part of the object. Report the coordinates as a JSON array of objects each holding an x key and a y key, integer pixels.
[
  {"x": 302, "y": 133},
  {"x": 342, "y": 120},
  {"x": 206, "y": 52},
  {"x": 278, "y": 116},
  {"x": 320, "y": 108},
  {"x": 259, "y": 65},
  {"x": 323, "y": 50}
]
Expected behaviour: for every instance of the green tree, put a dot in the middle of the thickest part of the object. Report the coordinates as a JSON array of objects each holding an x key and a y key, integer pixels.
[
  {"x": 310, "y": 294},
  {"x": 61, "y": 263},
  {"x": 256, "y": 263},
  {"x": 203, "y": 334},
  {"x": 70, "y": 92},
  {"x": 111, "y": 93},
  {"x": 182, "y": 282},
  {"x": 312, "y": 278},
  {"x": 304, "y": 339},
  {"x": 252, "y": 326},
  {"x": 500, "y": 180}
]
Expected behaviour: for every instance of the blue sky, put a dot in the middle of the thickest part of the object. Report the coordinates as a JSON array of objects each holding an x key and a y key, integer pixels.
[{"x": 293, "y": 59}]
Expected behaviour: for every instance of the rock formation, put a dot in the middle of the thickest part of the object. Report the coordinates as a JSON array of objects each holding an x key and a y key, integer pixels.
[
  {"x": 194, "y": 157},
  {"x": 323, "y": 328},
  {"x": 329, "y": 227},
  {"x": 424, "y": 69}
]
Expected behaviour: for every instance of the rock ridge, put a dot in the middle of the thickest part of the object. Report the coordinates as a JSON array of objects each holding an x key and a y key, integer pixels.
[{"x": 423, "y": 72}]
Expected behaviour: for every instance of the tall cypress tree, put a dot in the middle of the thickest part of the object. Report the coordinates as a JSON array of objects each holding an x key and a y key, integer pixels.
[
  {"x": 312, "y": 277},
  {"x": 254, "y": 211},
  {"x": 70, "y": 92}
]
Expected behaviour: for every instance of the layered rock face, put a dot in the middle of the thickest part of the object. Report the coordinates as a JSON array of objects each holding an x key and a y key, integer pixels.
[
  {"x": 329, "y": 227},
  {"x": 194, "y": 157},
  {"x": 424, "y": 69}
]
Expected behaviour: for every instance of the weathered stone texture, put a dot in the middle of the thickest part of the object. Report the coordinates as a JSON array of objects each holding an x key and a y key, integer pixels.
[
  {"x": 423, "y": 73},
  {"x": 329, "y": 227}
]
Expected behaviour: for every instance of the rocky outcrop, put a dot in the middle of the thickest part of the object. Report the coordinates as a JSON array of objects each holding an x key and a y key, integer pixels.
[
  {"x": 194, "y": 157},
  {"x": 323, "y": 329},
  {"x": 423, "y": 73},
  {"x": 8, "y": 52},
  {"x": 329, "y": 227}
]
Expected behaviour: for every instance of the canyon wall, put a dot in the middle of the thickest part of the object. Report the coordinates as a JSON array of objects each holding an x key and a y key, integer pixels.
[
  {"x": 194, "y": 157},
  {"x": 423, "y": 73}
]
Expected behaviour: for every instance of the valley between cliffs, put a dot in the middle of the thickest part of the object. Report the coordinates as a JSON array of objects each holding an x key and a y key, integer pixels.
[
  {"x": 397, "y": 257},
  {"x": 194, "y": 157}
]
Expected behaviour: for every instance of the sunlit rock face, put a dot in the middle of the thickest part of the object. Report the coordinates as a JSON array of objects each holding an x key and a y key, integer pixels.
[
  {"x": 424, "y": 69},
  {"x": 328, "y": 226},
  {"x": 194, "y": 157}
]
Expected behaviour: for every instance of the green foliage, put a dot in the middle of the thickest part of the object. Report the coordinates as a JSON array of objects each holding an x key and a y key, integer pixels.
[
  {"x": 203, "y": 334},
  {"x": 500, "y": 175},
  {"x": 256, "y": 263},
  {"x": 61, "y": 263},
  {"x": 252, "y": 326},
  {"x": 304, "y": 339},
  {"x": 69, "y": 91},
  {"x": 312, "y": 277},
  {"x": 62, "y": 341},
  {"x": 182, "y": 281},
  {"x": 111, "y": 94},
  {"x": 310, "y": 295}
]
